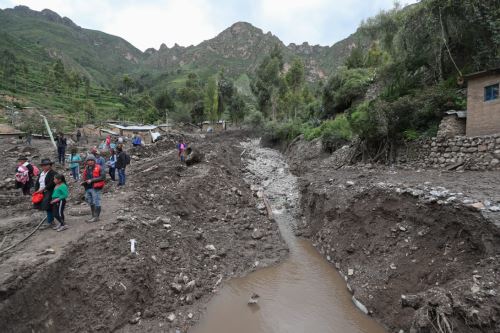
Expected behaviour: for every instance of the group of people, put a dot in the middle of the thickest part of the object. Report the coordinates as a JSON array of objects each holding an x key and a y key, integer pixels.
[{"x": 51, "y": 189}]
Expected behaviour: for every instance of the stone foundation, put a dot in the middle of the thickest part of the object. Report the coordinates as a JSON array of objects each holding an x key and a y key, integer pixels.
[{"x": 460, "y": 153}]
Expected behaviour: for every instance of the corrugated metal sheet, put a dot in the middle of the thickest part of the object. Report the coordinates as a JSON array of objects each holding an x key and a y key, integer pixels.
[{"x": 135, "y": 127}]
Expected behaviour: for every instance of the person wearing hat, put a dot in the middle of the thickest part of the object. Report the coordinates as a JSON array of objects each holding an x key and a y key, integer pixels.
[
  {"x": 24, "y": 175},
  {"x": 99, "y": 159},
  {"x": 94, "y": 177},
  {"x": 45, "y": 184}
]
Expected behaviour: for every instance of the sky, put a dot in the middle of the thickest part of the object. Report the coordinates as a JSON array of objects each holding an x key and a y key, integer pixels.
[{"x": 149, "y": 23}]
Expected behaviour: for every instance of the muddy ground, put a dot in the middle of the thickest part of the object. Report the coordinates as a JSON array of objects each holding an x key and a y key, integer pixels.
[
  {"x": 419, "y": 248},
  {"x": 195, "y": 227}
]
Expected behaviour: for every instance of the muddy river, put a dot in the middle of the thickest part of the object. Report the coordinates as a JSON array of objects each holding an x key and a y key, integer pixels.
[{"x": 303, "y": 294}]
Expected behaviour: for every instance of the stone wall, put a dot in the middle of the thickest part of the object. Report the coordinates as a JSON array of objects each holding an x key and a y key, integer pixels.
[
  {"x": 460, "y": 153},
  {"x": 451, "y": 126}
]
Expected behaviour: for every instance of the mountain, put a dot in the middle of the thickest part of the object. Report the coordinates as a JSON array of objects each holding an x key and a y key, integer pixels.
[
  {"x": 45, "y": 36},
  {"x": 239, "y": 49}
]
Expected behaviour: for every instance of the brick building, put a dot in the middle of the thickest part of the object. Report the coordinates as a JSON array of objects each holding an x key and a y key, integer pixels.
[{"x": 483, "y": 103}]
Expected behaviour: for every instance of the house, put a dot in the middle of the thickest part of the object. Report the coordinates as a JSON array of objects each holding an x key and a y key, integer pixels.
[
  {"x": 483, "y": 103},
  {"x": 130, "y": 130}
]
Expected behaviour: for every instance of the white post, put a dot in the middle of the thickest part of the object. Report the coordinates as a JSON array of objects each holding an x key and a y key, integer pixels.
[{"x": 49, "y": 130}]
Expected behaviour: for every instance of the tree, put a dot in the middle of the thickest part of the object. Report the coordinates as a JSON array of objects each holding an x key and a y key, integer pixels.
[
  {"x": 89, "y": 110},
  {"x": 237, "y": 109},
  {"x": 295, "y": 75},
  {"x": 265, "y": 86},
  {"x": 226, "y": 91},
  {"x": 295, "y": 80},
  {"x": 164, "y": 103},
  {"x": 127, "y": 83},
  {"x": 211, "y": 101}
]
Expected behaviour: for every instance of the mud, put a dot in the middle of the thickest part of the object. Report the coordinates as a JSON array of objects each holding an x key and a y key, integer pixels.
[
  {"x": 304, "y": 293},
  {"x": 420, "y": 248},
  {"x": 193, "y": 227}
]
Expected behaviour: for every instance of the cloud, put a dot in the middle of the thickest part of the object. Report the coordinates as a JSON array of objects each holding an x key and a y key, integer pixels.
[
  {"x": 148, "y": 23},
  {"x": 177, "y": 21}
]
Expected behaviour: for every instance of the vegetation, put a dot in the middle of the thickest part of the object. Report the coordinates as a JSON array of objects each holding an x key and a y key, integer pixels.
[{"x": 400, "y": 73}]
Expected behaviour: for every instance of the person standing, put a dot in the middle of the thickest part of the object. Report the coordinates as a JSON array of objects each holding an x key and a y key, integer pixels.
[
  {"x": 99, "y": 159},
  {"x": 108, "y": 142},
  {"x": 45, "y": 185},
  {"x": 61, "y": 148},
  {"x": 78, "y": 135},
  {"x": 29, "y": 137},
  {"x": 24, "y": 175},
  {"x": 136, "y": 140},
  {"x": 111, "y": 163},
  {"x": 93, "y": 181},
  {"x": 58, "y": 202},
  {"x": 181, "y": 147},
  {"x": 74, "y": 164},
  {"x": 122, "y": 160}
]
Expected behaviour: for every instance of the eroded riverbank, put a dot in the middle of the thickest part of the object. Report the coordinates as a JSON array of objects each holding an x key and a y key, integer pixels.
[{"x": 304, "y": 293}]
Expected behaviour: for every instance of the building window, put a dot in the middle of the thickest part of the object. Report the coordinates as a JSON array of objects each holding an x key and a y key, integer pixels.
[{"x": 491, "y": 92}]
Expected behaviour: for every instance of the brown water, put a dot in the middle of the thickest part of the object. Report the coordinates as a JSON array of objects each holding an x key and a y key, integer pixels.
[{"x": 303, "y": 294}]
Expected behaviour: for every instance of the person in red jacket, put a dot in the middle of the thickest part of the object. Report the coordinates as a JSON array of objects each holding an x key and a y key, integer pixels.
[{"x": 94, "y": 178}]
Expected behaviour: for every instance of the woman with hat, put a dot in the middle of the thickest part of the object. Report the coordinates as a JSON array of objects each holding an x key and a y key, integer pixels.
[{"x": 45, "y": 184}]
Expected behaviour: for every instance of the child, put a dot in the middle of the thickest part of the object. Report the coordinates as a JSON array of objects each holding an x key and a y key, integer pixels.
[
  {"x": 59, "y": 201},
  {"x": 75, "y": 161},
  {"x": 181, "y": 146}
]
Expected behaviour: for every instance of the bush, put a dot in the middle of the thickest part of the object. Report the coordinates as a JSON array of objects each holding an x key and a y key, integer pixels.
[
  {"x": 254, "y": 119},
  {"x": 337, "y": 128},
  {"x": 344, "y": 88}
]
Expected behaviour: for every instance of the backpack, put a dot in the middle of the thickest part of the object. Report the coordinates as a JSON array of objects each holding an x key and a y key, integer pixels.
[
  {"x": 22, "y": 175},
  {"x": 137, "y": 141},
  {"x": 36, "y": 171},
  {"x": 127, "y": 159}
]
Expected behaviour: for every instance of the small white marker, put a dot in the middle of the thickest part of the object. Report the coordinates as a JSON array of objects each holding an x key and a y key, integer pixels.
[{"x": 132, "y": 245}]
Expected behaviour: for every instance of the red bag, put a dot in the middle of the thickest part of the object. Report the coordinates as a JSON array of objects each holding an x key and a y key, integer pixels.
[{"x": 37, "y": 198}]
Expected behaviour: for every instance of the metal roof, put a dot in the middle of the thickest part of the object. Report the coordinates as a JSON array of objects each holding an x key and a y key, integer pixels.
[
  {"x": 459, "y": 114},
  {"x": 135, "y": 127},
  {"x": 482, "y": 73}
]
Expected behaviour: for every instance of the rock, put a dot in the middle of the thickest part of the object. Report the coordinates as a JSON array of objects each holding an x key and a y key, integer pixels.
[
  {"x": 392, "y": 266},
  {"x": 190, "y": 315},
  {"x": 49, "y": 251},
  {"x": 350, "y": 272},
  {"x": 257, "y": 234},
  {"x": 475, "y": 288},
  {"x": 494, "y": 209},
  {"x": 135, "y": 318},
  {"x": 210, "y": 247},
  {"x": 148, "y": 313},
  {"x": 359, "y": 305},
  {"x": 171, "y": 317},
  {"x": 349, "y": 183},
  {"x": 189, "y": 287},
  {"x": 164, "y": 245},
  {"x": 176, "y": 287},
  {"x": 193, "y": 156},
  {"x": 254, "y": 299},
  {"x": 477, "y": 206},
  {"x": 411, "y": 301},
  {"x": 122, "y": 218},
  {"x": 189, "y": 299},
  {"x": 402, "y": 228}
]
